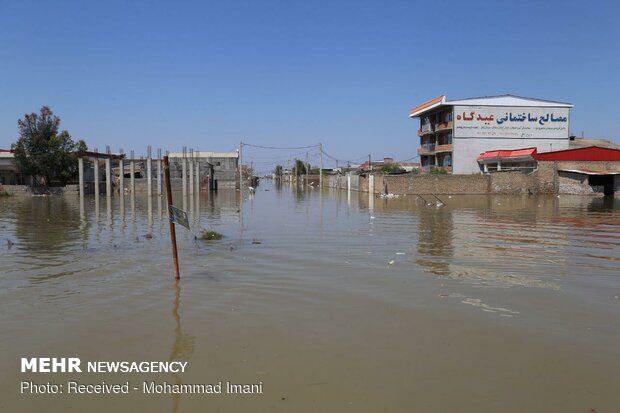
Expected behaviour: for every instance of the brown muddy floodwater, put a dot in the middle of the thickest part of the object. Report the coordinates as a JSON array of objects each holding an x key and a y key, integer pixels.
[{"x": 489, "y": 304}]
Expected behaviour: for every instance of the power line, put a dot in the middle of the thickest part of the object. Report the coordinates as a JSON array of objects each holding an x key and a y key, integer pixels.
[{"x": 283, "y": 148}]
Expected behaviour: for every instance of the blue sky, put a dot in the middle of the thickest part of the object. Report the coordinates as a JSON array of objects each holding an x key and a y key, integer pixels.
[{"x": 209, "y": 74}]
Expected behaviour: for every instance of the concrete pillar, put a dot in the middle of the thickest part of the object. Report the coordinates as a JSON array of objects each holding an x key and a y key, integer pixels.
[
  {"x": 486, "y": 168},
  {"x": 149, "y": 177},
  {"x": 371, "y": 192},
  {"x": 121, "y": 176},
  {"x": 108, "y": 177},
  {"x": 499, "y": 165},
  {"x": 132, "y": 176},
  {"x": 96, "y": 178},
  {"x": 158, "y": 176},
  {"x": 349, "y": 186},
  {"x": 184, "y": 177},
  {"x": 191, "y": 177},
  {"x": 198, "y": 177},
  {"x": 81, "y": 176}
]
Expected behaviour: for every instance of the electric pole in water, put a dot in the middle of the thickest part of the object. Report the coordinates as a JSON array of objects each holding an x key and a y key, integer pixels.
[{"x": 321, "y": 170}]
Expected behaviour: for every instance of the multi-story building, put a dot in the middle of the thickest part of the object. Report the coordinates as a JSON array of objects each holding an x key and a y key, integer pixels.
[{"x": 453, "y": 133}]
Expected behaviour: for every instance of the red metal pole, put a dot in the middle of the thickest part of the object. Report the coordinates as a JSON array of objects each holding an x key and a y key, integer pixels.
[{"x": 173, "y": 235}]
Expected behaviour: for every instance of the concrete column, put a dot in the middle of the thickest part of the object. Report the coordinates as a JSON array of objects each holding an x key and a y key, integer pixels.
[
  {"x": 191, "y": 177},
  {"x": 198, "y": 177},
  {"x": 159, "y": 177},
  {"x": 96, "y": 171},
  {"x": 149, "y": 177},
  {"x": 349, "y": 186},
  {"x": 499, "y": 165},
  {"x": 121, "y": 176},
  {"x": 371, "y": 192},
  {"x": 108, "y": 177},
  {"x": 132, "y": 176},
  {"x": 184, "y": 177},
  {"x": 81, "y": 175}
]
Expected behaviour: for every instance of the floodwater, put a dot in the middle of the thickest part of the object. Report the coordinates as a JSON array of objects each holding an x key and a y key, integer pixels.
[{"x": 334, "y": 303}]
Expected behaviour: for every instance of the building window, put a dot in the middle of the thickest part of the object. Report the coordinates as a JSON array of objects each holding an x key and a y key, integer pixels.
[{"x": 447, "y": 160}]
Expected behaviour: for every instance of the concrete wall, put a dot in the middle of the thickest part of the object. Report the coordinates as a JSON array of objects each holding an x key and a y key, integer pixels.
[
  {"x": 430, "y": 184},
  {"x": 542, "y": 181},
  {"x": 466, "y": 150}
]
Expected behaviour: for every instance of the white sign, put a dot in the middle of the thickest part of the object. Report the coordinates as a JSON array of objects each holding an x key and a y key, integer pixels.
[{"x": 510, "y": 122}]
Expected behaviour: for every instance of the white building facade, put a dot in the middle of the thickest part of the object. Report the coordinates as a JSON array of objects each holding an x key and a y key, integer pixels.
[{"x": 453, "y": 133}]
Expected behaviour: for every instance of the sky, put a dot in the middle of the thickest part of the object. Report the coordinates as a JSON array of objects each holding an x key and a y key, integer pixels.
[{"x": 211, "y": 74}]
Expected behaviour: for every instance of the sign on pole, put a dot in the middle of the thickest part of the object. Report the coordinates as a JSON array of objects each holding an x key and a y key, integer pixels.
[{"x": 178, "y": 216}]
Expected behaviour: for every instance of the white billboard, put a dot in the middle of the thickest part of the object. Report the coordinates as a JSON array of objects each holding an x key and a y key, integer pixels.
[{"x": 510, "y": 122}]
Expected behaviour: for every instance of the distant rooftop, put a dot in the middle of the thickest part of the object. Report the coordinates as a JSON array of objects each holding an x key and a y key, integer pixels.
[
  {"x": 501, "y": 100},
  {"x": 205, "y": 154},
  {"x": 583, "y": 142}
]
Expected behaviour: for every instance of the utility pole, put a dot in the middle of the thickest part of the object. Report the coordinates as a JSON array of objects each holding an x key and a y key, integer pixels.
[
  {"x": 307, "y": 170},
  {"x": 321, "y": 170},
  {"x": 369, "y": 165},
  {"x": 240, "y": 168}
]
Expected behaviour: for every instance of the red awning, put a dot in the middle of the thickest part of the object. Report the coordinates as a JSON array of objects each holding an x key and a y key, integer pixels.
[{"x": 507, "y": 153}]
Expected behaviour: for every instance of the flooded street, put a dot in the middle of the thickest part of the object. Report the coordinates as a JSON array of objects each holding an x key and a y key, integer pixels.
[{"x": 334, "y": 303}]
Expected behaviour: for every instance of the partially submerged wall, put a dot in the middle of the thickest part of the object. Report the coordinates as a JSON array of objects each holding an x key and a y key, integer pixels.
[{"x": 545, "y": 180}]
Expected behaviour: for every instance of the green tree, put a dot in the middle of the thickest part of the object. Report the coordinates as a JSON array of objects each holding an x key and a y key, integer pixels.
[
  {"x": 278, "y": 170},
  {"x": 42, "y": 151},
  {"x": 300, "y": 167},
  {"x": 389, "y": 168}
]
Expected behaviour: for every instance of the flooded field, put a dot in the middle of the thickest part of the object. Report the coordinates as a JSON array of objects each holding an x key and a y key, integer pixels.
[{"x": 334, "y": 303}]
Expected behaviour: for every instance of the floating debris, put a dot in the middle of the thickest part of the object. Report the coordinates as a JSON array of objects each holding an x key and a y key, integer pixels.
[
  {"x": 255, "y": 241},
  {"x": 391, "y": 262},
  {"x": 389, "y": 196},
  {"x": 210, "y": 235},
  {"x": 148, "y": 236}
]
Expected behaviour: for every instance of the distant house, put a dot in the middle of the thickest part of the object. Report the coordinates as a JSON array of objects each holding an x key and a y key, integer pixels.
[
  {"x": 586, "y": 169},
  {"x": 220, "y": 167},
  {"x": 8, "y": 171},
  {"x": 453, "y": 133},
  {"x": 377, "y": 165}
]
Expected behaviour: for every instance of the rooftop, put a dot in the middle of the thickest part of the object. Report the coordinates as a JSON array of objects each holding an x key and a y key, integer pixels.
[{"x": 500, "y": 100}]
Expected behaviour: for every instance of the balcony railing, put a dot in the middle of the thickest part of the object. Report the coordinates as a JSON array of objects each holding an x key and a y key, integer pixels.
[
  {"x": 443, "y": 126},
  {"x": 443, "y": 148},
  {"x": 426, "y": 149}
]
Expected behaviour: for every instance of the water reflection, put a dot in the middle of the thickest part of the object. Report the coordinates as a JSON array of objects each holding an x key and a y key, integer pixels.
[
  {"x": 183, "y": 345},
  {"x": 46, "y": 223},
  {"x": 435, "y": 232}
]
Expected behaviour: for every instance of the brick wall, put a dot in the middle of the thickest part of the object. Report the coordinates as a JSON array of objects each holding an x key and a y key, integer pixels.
[{"x": 431, "y": 184}]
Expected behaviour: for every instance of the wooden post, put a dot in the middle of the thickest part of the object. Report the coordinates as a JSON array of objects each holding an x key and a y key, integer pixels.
[{"x": 173, "y": 235}]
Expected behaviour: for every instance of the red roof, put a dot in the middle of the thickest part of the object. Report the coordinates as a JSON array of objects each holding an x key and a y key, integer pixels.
[
  {"x": 589, "y": 153},
  {"x": 508, "y": 153},
  {"x": 427, "y": 104}
]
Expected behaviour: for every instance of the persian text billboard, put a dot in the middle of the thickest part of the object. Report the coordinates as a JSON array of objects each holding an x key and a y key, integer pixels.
[{"x": 510, "y": 122}]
